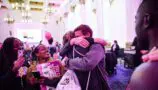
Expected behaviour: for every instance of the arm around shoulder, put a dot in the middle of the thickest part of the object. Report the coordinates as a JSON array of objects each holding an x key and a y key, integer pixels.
[{"x": 89, "y": 61}]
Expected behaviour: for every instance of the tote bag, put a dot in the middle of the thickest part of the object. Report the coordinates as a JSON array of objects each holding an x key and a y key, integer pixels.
[{"x": 69, "y": 81}]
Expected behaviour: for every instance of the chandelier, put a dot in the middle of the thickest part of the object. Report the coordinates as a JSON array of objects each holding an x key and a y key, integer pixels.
[
  {"x": 111, "y": 1},
  {"x": 9, "y": 19},
  {"x": 45, "y": 20},
  {"x": 17, "y": 4},
  {"x": 23, "y": 6},
  {"x": 26, "y": 15},
  {"x": 72, "y": 8},
  {"x": 49, "y": 10},
  {"x": 82, "y": 1}
]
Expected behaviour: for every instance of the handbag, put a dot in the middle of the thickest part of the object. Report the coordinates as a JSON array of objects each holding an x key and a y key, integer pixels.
[{"x": 69, "y": 81}]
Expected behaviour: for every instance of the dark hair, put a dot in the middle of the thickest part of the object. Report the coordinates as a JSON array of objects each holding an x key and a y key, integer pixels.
[
  {"x": 35, "y": 51},
  {"x": 40, "y": 42},
  {"x": 7, "y": 54},
  {"x": 115, "y": 41},
  {"x": 68, "y": 36},
  {"x": 85, "y": 29},
  {"x": 8, "y": 45},
  {"x": 50, "y": 41},
  {"x": 150, "y": 7}
]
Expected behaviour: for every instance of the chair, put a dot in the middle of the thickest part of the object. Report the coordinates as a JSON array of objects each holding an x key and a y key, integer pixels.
[{"x": 111, "y": 61}]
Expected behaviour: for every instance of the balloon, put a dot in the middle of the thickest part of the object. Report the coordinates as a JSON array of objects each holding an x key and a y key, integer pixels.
[{"x": 48, "y": 35}]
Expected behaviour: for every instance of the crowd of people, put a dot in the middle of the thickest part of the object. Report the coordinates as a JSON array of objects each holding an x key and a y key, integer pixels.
[
  {"x": 24, "y": 68},
  {"x": 80, "y": 52}
]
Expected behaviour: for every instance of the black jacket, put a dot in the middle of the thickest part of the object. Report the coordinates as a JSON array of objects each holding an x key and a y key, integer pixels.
[{"x": 8, "y": 78}]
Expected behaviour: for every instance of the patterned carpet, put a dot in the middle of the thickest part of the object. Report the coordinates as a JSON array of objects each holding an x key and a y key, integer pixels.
[{"x": 120, "y": 80}]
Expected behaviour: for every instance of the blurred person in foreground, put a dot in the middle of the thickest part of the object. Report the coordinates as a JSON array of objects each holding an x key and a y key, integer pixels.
[
  {"x": 10, "y": 64},
  {"x": 145, "y": 77}
]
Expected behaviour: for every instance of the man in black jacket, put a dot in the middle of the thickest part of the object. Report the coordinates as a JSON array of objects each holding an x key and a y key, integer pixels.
[
  {"x": 9, "y": 65},
  {"x": 115, "y": 48}
]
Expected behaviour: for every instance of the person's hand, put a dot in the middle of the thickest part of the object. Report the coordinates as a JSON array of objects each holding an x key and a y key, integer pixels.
[
  {"x": 80, "y": 41},
  {"x": 18, "y": 63},
  {"x": 144, "y": 52},
  {"x": 22, "y": 71},
  {"x": 42, "y": 79},
  {"x": 151, "y": 56},
  {"x": 101, "y": 41},
  {"x": 33, "y": 80}
]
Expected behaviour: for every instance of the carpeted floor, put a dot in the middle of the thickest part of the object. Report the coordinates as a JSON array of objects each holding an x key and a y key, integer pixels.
[{"x": 120, "y": 80}]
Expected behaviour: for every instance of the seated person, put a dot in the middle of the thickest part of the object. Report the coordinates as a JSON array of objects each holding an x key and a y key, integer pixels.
[{"x": 115, "y": 48}]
